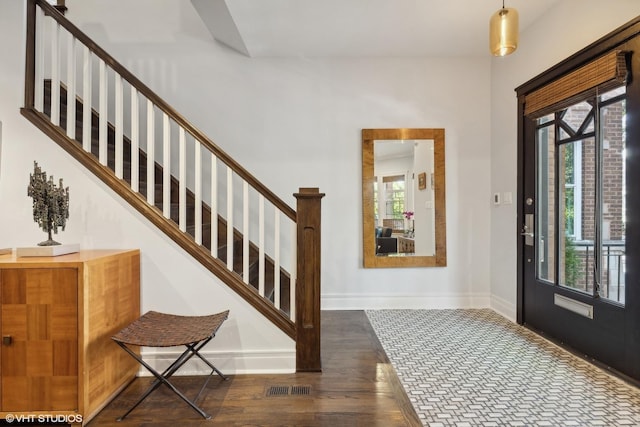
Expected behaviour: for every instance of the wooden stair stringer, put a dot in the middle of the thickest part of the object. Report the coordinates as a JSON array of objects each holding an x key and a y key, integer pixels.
[{"x": 167, "y": 226}]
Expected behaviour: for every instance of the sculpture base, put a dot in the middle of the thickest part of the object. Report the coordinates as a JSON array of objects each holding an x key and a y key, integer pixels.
[
  {"x": 48, "y": 250},
  {"x": 49, "y": 242}
]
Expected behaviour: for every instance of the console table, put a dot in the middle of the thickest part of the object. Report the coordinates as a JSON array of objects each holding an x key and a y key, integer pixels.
[
  {"x": 58, "y": 315},
  {"x": 406, "y": 245}
]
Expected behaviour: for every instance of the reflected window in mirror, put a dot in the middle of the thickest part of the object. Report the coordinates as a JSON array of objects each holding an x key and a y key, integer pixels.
[
  {"x": 403, "y": 197},
  {"x": 390, "y": 201}
]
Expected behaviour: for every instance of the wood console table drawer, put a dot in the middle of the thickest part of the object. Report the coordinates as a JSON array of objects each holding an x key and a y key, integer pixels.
[
  {"x": 406, "y": 245},
  {"x": 57, "y": 316}
]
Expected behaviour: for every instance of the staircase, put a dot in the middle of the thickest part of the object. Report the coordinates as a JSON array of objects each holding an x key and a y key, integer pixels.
[
  {"x": 174, "y": 175},
  {"x": 221, "y": 239}
]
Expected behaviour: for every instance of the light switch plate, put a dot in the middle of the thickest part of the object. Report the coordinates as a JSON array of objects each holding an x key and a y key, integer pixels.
[{"x": 507, "y": 198}]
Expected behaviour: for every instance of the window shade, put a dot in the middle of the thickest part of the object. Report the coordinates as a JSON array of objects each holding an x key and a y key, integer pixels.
[
  {"x": 604, "y": 73},
  {"x": 393, "y": 178}
]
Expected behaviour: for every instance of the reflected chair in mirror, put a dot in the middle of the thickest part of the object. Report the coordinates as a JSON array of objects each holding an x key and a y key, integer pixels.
[
  {"x": 156, "y": 329},
  {"x": 385, "y": 244},
  {"x": 397, "y": 225}
]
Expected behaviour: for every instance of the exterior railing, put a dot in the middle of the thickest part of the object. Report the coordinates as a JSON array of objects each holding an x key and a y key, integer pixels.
[{"x": 612, "y": 266}]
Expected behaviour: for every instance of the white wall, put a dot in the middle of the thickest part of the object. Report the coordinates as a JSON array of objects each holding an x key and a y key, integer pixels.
[
  {"x": 171, "y": 280},
  {"x": 293, "y": 123},
  {"x": 425, "y": 239},
  {"x": 296, "y": 122},
  {"x": 564, "y": 30}
]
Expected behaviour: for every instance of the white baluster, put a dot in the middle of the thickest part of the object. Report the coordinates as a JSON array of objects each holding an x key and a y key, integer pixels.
[
  {"x": 119, "y": 157},
  {"x": 103, "y": 113},
  {"x": 39, "y": 74},
  {"x": 151, "y": 153},
  {"x": 135, "y": 140},
  {"x": 293, "y": 273},
  {"x": 214, "y": 206},
  {"x": 245, "y": 231},
  {"x": 166, "y": 166},
  {"x": 261, "y": 245},
  {"x": 86, "y": 100},
  {"x": 55, "y": 73},
  {"x": 276, "y": 258},
  {"x": 198, "y": 192},
  {"x": 182, "y": 221},
  {"x": 71, "y": 86},
  {"x": 229, "y": 218}
]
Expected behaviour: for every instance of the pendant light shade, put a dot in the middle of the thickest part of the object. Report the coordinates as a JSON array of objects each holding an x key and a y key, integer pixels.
[{"x": 503, "y": 31}]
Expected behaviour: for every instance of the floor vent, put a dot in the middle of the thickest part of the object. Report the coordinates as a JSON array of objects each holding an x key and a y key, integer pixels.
[
  {"x": 285, "y": 390},
  {"x": 278, "y": 390},
  {"x": 300, "y": 390}
]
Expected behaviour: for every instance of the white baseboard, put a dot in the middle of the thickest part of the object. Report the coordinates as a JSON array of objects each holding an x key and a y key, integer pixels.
[
  {"x": 284, "y": 361},
  {"x": 229, "y": 363},
  {"x": 504, "y": 307},
  {"x": 382, "y": 301}
]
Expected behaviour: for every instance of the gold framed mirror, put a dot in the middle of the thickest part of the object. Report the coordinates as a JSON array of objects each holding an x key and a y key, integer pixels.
[{"x": 403, "y": 198}]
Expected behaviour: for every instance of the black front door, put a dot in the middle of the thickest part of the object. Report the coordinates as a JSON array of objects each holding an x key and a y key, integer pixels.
[{"x": 580, "y": 218}]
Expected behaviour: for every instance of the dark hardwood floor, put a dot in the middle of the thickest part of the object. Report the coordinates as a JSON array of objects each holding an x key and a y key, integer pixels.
[{"x": 358, "y": 387}]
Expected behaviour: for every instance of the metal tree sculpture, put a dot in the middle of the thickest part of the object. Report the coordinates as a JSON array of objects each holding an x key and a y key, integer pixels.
[{"x": 50, "y": 203}]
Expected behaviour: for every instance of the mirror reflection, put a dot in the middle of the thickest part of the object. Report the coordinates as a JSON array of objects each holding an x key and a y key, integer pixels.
[
  {"x": 403, "y": 191},
  {"x": 403, "y": 198}
]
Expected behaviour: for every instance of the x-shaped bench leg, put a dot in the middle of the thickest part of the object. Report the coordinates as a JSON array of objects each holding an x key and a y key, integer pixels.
[{"x": 163, "y": 378}]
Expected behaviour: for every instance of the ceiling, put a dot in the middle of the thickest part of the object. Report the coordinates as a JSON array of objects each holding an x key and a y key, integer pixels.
[{"x": 354, "y": 28}]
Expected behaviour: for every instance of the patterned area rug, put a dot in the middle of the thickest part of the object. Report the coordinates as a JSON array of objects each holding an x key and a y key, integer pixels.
[{"x": 475, "y": 368}]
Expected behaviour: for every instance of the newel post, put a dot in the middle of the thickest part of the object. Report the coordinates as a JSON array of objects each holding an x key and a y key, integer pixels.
[{"x": 308, "y": 282}]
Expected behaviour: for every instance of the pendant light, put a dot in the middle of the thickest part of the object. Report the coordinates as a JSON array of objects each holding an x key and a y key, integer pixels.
[{"x": 503, "y": 31}]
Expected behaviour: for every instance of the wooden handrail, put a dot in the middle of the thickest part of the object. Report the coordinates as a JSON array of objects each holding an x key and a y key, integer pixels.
[
  {"x": 56, "y": 133},
  {"x": 157, "y": 101}
]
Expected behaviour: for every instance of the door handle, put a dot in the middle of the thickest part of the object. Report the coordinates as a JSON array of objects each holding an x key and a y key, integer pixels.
[
  {"x": 527, "y": 234},
  {"x": 7, "y": 340},
  {"x": 527, "y": 230}
]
